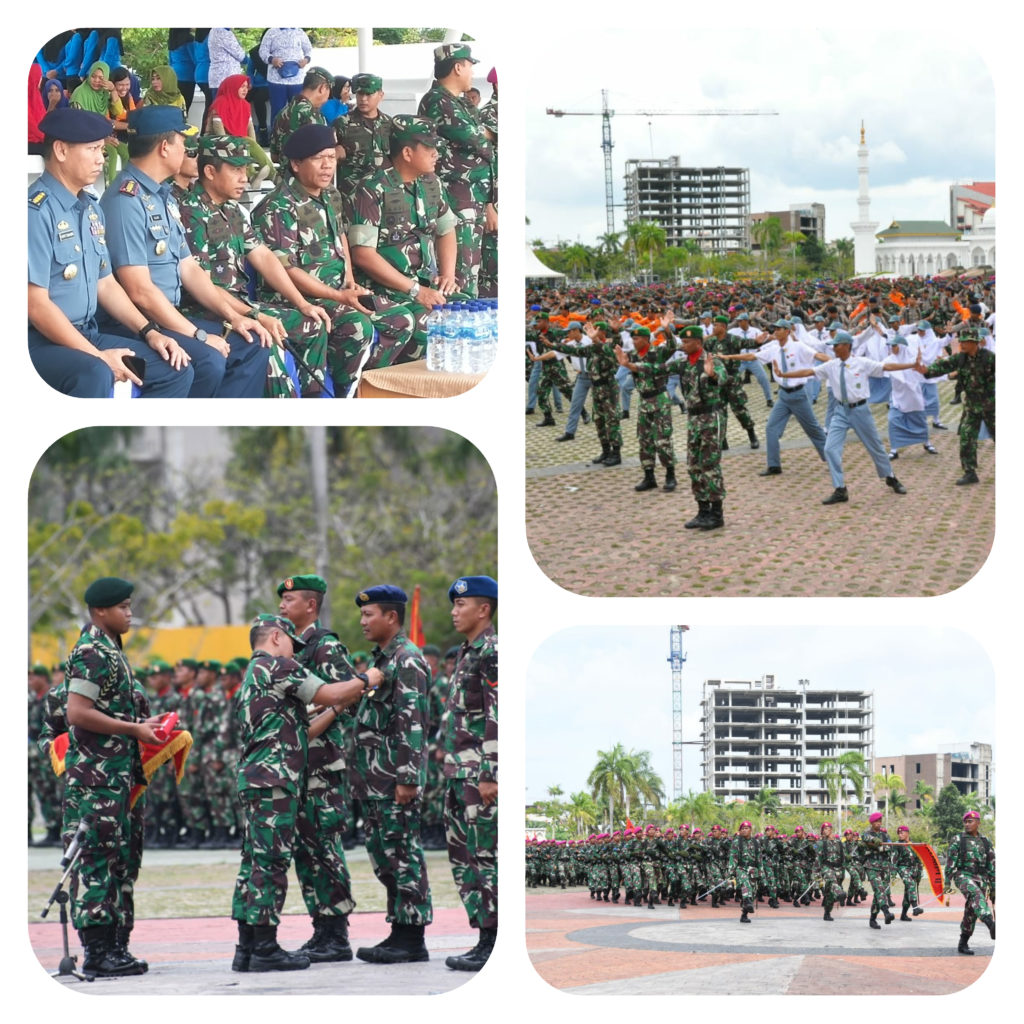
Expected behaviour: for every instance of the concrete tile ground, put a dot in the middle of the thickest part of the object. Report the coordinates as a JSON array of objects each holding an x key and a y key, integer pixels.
[
  {"x": 591, "y": 533},
  {"x": 586, "y": 948}
]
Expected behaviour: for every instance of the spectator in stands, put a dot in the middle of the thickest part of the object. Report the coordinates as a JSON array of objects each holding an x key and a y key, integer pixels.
[
  {"x": 232, "y": 115},
  {"x": 122, "y": 79},
  {"x": 53, "y": 93},
  {"x": 96, "y": 94},
  {"x": 226, "y": 56},
  {"x": 181, "y": 58},
  {"x": 36, "y": 110},
  {"x": 259, "y": 94},
  {"x": 286, "y": 51},
  {"x": 201, "y": 55},
  {"x": 340, "y": 102},
  {"x": 51, "y": 57},
  {"x": 163, "y": 89}
]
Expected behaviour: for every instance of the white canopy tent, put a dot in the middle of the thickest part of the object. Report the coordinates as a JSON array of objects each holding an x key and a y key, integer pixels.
[{"x": 534, "y": 267}]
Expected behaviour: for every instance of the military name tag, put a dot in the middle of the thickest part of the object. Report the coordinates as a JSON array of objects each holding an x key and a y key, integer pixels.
[{"x": 63, "y": 236}]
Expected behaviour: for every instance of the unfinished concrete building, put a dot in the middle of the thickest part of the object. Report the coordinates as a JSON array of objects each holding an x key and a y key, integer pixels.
[
  {"x": 759, "y": 733},
  {"x": 708, "y": 205},
  {"x": 968, "y": 766}
]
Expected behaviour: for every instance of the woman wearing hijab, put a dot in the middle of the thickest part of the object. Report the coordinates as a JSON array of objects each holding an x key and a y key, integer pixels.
[
  {"x": 122, "y": 79},
  {"x": 53, "y": 94},
  {"x": 163, "y": 90},
  {"x": 232, "y": 115},
  {"x": 97, "y": 95}
]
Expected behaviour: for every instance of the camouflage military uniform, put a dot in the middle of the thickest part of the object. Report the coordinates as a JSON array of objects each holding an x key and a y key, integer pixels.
[
  {"x": 305, "y": 232},
  {"x": 488, "y": 279},
  {"x": 367, "y": 143},
  {"x": 471, "y": 757},
  {"x": 273, "y": 729},
  {"x": 221, "y": 237},
  {"x": 217, "y": 783},
  {"x": 401, "y": 221},
  {"x": 971, "y": 867},
  {"x": 434, "y": 787},
  {"x": 704, "y": 398},
  {"x": 977, "y": 377},
  {"x": 101, "y": 771},
  {"x": 745, "y": 867},
  {"x": 830, "y": 867},
  {"x": 320, "y": 863},
  {"x": 389, "y": 752},
  {"x": 878, "y": 869},
  {"x": 41, "y": 780},
  {"x": 298, "y": 112},
  {"x": 162, "y": 793},
  {"x": 654, "y": 418},
  {"x": 195, "y": 802},
  {"x": 553, "y": 374},
  {"x": 467, "y": 167},
  {"x": 732, "y": 393}
]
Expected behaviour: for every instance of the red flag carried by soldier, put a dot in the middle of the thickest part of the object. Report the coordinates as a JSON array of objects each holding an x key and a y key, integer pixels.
[{"x": 416, "y": 620}]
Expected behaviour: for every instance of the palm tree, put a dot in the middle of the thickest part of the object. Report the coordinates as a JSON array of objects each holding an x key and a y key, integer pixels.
[
  {"x": 890, "y": 785},
  {"x": 837, "y": 772},
  {"x": 844, "y": 250},
  {"x": 607, "y": 779},
  {"x": 768, "y": 235},
  {"x": 767, "y": 802},
  {"x": 583, "y": 812},
  {"x": 610, "y": 242},
  {"x": 579, "y": 257},
  {"x": 793, "y": 239},
  {"x": 647, "y": 786},
  {"x": 650, "y": 239}
]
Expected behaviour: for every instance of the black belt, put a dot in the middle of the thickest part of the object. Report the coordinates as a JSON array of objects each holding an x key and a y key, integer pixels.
[
  {"x": 652, "y": 394},
  {"x": 852, "y": 405},
  {"x": 796, "y": 388},
  {"x": 700, "y": 410}
]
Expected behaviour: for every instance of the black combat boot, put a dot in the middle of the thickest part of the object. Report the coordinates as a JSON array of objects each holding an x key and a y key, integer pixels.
[
  {"x": 752, "y": 434},
  {"x": 962, "y": 948},
  {"x": 605, "y": 453},
  {"x": 477, "y": 956},
  {"x": 329, "y": 943},
  {"x": 102, "y": 957},
  {"x": 873, "y": 922},
  {"x": 267, "y": 955},
  {"x": 606, "y": 891},
  {"x": 403, "y": 946},
  {"x": 648, "y": 483},
  {"x": 904, "y": 916},
  {"x": 828, "y": 916},
  {"x": 725, "y": 443},
  {"x": 614, "y": 456},
  {"x": 548, "y": 421},
  {"x": 670, "y": 479},
  {"x": 743, "y": 916},
  {"x": 889, "y": 918},
  {"x": 122, "y": 936},
  {"x": 243, "y": 951},
  {"x": 989, "y": 922},
  {"x": 703, "y": 508},
  {"x": 714, "y": 519}
]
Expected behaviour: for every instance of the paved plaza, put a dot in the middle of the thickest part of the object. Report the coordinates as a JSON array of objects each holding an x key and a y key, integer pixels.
[
  {"x": 592, "y": 534},
  {"x": 589, "y": 948}
]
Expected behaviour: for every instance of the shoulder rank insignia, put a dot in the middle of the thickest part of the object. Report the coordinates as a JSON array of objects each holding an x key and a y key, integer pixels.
[
  {"x": 129, "y": 187},
  {"x": 37, "y": 199}
]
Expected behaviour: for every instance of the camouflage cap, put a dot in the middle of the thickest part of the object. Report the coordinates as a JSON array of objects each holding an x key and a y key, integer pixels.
[
  {"x": 310, "y": 581},
  {"x": 969, "y": 334},
  {"x": 408, "y": 130},
  {"x": 454, "y": 51},
  {"x": 278, "y": 622},
  {"x": 319, "y": 72},
  {"x": 366, "y": 83},
  {"x": 107, "y": 591},
  {"x": 228, "y": 148}
]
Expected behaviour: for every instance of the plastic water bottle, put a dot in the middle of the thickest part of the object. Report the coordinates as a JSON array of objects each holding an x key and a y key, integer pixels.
[
  {"x": 454, "y": 343},
  {"x": 492, "y": 333},
  {"x": 477, "y": 338},
  {"x": 435, "y": 339}
]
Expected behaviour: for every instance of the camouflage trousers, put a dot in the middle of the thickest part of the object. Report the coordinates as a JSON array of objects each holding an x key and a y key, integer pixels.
[
  {"x": 654, "y": 429},
  {"x": 631, "y": 876},
  {"x": 552, "y": 375},
  {"x": 799, "y": 877},
  {"x": 98, "y": 885},
  {"x": 909, "y": 877},
  {"x": 195, "y": 808},
  {"x": 648, "y": 876},
  {"x": 471, "y": 831},
  {"x": 832, "y": 886},
  {"x": 976, "y": 903},
  {"x": 704, "y": 455},
  {"x": 747, "y": 883},
  {"x": 393, "y": 845},
  {"x": 880, "y": 877},
  {"x": 770, "y": 878},
  {"x": 469, "y": 237},
  {"x": 137, "y": 830},
  {"x": 736, "y": 399},
  {"x": 856, "y": 877},
  {"x": 320, "y": 863},
  {"x": 43, "y": 784},
  {"x": 432, "y": 800},
  {"x": 309, "y": 338},
  {"x": 606, "y": 412},
  {"x": 970, "y": 423},
  {"x": 219, "y": 785},
  {"x": 269, "y": 835},
  {"x": 488, "y": 279},
  {"x": 351, "y": 347}
]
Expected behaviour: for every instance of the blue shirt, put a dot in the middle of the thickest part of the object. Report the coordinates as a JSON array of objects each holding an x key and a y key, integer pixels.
[
  {"x": 144, "y": 229},
  {"x": 67, "y": 251}
]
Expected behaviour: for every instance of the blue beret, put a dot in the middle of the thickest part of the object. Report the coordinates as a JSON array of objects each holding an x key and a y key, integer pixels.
[
  {"x": 309, "y": 140},
  {"x": 70, "y": 124},
  {"x": 159, "y": 119},
  {"x": 473, "y": 586},
  {"x": 383, "y": 594},
  {"x": 108, "y": 591}
]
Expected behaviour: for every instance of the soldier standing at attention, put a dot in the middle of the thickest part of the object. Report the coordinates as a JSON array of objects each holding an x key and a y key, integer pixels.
[
  {"x": 388, "y": 773},
  {"x": 467, "y": 164},
  {"x": 877, "y": 868},
  {"x": 471, "y": 764},
  {"x": 654, "y": 419},
  {"x": 274, "y": 734},
  {"x": 975, "y": 369},
  {"x": 301, "y": 110},
  {"x": 103, "y": 762},
  {"x": 323, "y": 815},
  {"x": 365, "y": 135},
  {"x": 971, "y": 867}
]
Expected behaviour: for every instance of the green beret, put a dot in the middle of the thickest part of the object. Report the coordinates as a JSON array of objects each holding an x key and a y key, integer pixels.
[
  {"x": 310, "y": 581},
  {"x": 39, "y": 670},
  {"x": 228, "y": 148},
  {"x": 366, "y": 83},
  {"x": 432, "y": 649},
  {"x": 281, "y": 623},
  {"x": 108, "y": 591},
  {"x": 694, "y": 331},
  {"x": 210, "y": 664},
  {"x": 408, "y": 130},
  {"x": 721, "y": 319},
  {"x": 644, "y": 332},
  {"x": 601, "y": 325},
  {"x": 360, "y": 656}
]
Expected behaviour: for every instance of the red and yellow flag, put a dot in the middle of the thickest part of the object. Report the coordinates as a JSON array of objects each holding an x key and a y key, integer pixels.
[
  {"x": 416, "y": 620},
  {"x": 931, "y": 864}
]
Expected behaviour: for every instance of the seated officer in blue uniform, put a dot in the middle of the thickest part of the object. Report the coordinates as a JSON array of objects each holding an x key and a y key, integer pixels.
[
  {"x": 152, "y": 260},
  {"x": 69, "y": 273}
]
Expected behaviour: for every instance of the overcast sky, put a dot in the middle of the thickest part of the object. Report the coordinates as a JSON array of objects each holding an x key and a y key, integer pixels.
[
  {"x": 591, "y": 687},
  {"x": 925, "y": 95}
]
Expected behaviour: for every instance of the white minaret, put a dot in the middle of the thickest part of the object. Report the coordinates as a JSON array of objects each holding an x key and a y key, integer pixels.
[{"x": 863, "y": 226}]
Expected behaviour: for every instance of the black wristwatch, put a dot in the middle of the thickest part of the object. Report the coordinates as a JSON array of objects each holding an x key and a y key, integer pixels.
[
  {"x": 366, "y": 680},
  {"x": 200, "y": 335},
  {"x": 145, "y": 329}
]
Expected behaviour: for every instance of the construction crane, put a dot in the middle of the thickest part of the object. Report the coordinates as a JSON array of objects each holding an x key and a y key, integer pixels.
[
  {"x": 676, "y": 657},
  {"x": 605, "y": 113}
]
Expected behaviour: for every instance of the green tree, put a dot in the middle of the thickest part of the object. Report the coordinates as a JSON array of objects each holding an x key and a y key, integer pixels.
[
  {"x": 948, "y": 815},
  {"x": 766, "y": 800},
  {"x": 793, "y": 239},
  {"x": 583, "y": 812},
  {"x": 848, "y": 769},
  {"x": 844, "y": 248},
  {"x": 890, "y": 786},
  {"x": 767, "y": 234}
]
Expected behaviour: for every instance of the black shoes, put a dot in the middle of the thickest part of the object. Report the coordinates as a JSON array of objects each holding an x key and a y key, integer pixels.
[
  {"x": 598, "y": 459},
  {"x": 267, "y": 955},
  {"x": 670, "y": 479},
  {"x": 613, "y": 458},
  {"x": 566, "y": 437},
  {"x": 648, "y": 483},
  {"x": 548, "y": 421},
  {"x": 771, "y": 471},
  {"x": 329, "y": 943},
  {"x": 838, "y": 496},
  {"x": 477, "y": 956},
  {"x": 970, "y": 477},
  {"x": 898, "y": 488},
  {"x": 403, "y": 946}
]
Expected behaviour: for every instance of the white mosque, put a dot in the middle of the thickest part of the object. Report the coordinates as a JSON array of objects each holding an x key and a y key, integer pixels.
[{"x": 916, "y": 248}]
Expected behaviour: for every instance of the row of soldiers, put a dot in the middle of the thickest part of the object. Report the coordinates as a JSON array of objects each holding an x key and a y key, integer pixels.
[
  {"x": 202, "y": 812},
  {"x": 683, "y": 866}
]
